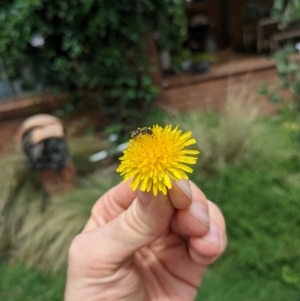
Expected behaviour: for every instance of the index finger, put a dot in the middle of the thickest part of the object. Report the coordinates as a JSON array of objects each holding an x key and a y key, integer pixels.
[{"x": 194, "y": 219}]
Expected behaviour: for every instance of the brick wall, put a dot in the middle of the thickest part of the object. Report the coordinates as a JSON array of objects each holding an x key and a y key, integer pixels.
[{"x": 210, "y": 91}]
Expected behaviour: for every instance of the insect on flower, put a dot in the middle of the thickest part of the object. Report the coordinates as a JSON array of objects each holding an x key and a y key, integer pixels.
[
  {"x": 156, "y": 156},
  {"x": 141, "y": 131}
]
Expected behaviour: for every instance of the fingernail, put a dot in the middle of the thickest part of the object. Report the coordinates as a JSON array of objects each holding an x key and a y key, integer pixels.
[
  {"x": 145, "y": 197},
  {"x": 213, "y": 236},
  {"x": 185, "y": 187},
  {"x": 200, "y": 212}
]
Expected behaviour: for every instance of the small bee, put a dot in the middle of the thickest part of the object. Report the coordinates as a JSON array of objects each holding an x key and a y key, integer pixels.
[{"x": 140, "y": 131}]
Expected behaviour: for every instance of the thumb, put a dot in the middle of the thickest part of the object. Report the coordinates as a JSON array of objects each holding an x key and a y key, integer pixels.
[{"x": 109, "y": 246}]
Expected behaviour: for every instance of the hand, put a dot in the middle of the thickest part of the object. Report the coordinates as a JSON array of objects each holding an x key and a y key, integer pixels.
[{"x": 138, "y": 247}]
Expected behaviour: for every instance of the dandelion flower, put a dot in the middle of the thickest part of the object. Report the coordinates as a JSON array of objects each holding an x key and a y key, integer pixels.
[{"x": 156, "y": 155}]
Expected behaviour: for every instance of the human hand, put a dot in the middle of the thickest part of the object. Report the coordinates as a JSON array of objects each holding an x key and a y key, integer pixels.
[{"x": 138, "y": 247}]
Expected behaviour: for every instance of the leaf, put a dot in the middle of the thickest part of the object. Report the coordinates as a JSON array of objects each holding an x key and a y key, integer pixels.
[{"x": 289, "y": 276}]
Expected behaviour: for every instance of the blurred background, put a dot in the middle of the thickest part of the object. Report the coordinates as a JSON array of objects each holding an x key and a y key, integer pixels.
[{"x": 77, "y": 76}]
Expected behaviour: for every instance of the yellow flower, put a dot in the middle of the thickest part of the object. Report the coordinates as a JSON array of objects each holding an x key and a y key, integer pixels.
[{"x": 156, "y": 155}]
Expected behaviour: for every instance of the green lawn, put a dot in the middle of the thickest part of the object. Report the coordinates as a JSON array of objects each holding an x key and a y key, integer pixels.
[
  {"x": 18, "y": 283},
  {"x": 218, "y": 287}
]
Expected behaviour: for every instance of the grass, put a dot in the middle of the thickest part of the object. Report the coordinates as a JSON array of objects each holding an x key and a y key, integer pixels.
[
  {"x": 232, "y": 137},
  {"x": 218, "y": 287},
  {"x": 45, "y": 238},
  {"x": 19, "y": 283},
  {"x": 259, "y": 197},
  {"x": 251, "y": 169},
  {"x": 261, "y": 208},
  {"x": 36, "y": 228}
]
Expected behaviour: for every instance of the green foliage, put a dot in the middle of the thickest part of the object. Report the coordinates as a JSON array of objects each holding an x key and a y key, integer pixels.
[
  {"x": 288, "y": 68},
  {"x": 289, "y": 276},
  {"x": 97, "y": 46},
  {"x": 218, "y": 287},
  {"x": 260, "y": 204},
  {"x": 286, "y": 11},
  {"x": 19, "y": 283},
  {"x": 289, "y": 79}
]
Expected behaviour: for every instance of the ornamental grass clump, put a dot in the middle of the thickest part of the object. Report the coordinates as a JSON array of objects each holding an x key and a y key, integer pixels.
[
  {"x": 237, "y": 135},
  {"x": 45, "y": 237},
  {"x": 157, "y": 155},
  {"x": 37, "y": 228}
]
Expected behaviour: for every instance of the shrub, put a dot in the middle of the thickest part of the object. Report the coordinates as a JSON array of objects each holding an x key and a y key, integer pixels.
[
  {"x": 97, "y": 46},
  {"x": 287, "y": 11},
  {"x": 288, "y": 67}
]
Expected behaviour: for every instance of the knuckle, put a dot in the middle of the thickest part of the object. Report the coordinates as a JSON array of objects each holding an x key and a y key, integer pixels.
[{"x": 76, "y": 248}]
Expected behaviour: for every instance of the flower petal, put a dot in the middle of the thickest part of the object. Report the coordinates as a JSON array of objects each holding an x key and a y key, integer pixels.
[{"x": 155, "y": 155}]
